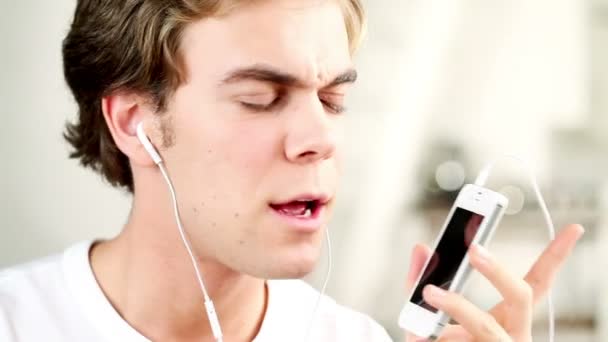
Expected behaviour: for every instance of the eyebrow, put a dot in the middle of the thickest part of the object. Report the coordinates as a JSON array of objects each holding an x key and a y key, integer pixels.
[{"x": 265, "y": 73}]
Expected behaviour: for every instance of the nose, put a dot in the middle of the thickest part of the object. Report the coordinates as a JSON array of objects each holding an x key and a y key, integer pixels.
[{"x": 311, "y": 134}]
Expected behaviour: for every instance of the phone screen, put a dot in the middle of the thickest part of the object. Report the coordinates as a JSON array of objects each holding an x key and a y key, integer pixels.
[{"x": 448, "y": 255}]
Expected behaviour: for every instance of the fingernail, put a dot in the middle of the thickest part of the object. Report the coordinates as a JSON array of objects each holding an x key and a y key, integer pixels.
[
  {"x": 482, "y": 252},
  {"x": 435, "y": 292},
  {"x": 582, "y": 230}
]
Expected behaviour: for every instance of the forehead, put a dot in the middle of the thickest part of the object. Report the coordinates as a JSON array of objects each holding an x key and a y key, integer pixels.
[{"x": 305, "y": 38}]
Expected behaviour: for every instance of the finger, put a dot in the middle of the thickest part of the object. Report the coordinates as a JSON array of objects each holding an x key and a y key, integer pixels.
[
  {"x": 414, "y": 338},
  {"x": 452, "y": 333},
  {"x": 477, "y": 322},
  {"x": 516, "y": 292},
  {"x": 543, "y": 272},
  {"x": 420, "y": 254}
]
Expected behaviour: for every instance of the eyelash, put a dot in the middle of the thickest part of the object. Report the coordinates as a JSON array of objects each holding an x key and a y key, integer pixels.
[
  {"x": 333, "y": 108},
  {"x": 261, "y": 108}
]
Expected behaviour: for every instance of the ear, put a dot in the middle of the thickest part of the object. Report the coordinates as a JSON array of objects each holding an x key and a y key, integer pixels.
[{"x": 123, "y": 112}]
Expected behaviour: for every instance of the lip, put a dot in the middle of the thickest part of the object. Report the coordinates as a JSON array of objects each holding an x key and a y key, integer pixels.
[
  {"x": 304, "y": 225},
  {"x": 322, "y": 198}
]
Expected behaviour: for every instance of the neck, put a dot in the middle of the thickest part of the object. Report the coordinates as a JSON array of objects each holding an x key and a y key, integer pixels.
[{"x": 148, "y": 276}]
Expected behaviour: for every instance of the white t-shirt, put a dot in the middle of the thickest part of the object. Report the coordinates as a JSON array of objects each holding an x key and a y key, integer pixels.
[{"x": 58, "y": 299}]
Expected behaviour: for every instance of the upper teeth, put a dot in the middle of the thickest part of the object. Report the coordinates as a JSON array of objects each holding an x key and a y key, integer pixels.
[{"x": 307, "y": 213}]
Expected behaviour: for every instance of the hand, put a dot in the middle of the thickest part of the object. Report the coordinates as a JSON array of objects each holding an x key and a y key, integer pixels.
[{"x": 511, "y": 319}]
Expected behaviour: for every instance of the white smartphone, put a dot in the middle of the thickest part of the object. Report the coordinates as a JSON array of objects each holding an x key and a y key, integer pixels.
[{"x": 472, "y": 220}]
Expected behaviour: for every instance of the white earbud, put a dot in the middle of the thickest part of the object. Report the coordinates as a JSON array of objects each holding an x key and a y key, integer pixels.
[{"x": 141, "y": 135}]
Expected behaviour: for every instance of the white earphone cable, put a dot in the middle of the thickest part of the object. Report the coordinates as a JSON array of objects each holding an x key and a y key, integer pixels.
[
  {"x": 210, "y": 308},
  {"x": 481, "y": 180},
  {"x": 327, "y": 276}
]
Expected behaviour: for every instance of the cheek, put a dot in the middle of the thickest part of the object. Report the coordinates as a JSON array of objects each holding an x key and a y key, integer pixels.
[
  {"x": 253, "y": 147},
  {"x": 246, "y": 153},
  {"x": 250, "y": 146},
  {"x": 339, "y": 154},
  {"x": 340, "y": 146}
]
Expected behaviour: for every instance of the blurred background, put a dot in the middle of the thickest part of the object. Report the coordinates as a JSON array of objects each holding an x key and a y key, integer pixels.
[{"x": 445, "y": 86}]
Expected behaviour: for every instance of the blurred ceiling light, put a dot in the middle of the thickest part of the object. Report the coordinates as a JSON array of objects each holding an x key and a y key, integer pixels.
[{"x": 450, "y": 175}]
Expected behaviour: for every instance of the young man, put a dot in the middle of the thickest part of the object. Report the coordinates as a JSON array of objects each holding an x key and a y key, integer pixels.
[{"x": 244, "y": 102}]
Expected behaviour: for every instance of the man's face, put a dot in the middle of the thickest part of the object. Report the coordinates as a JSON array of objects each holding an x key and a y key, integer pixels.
[{"x": 257, "y": 130}]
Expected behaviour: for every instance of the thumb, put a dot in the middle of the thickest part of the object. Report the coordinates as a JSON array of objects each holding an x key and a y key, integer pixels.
[{"x": 420, "y": 254}]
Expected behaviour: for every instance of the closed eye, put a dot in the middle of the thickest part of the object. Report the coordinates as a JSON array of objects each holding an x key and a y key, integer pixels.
[
  {"x": 334, "y": 103},
  {"x": 334, "y": 108},
  {"x": 260, "y": 103}
]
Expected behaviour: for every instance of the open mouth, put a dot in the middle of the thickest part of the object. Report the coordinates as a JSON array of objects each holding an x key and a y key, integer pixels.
[{"x": 300, "y": 209}]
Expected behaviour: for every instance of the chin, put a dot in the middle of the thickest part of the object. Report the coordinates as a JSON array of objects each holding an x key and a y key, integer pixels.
[{"x": 295, "y": 264}]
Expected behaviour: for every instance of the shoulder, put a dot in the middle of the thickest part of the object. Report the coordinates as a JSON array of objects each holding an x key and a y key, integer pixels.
[
  {"x": 38, "y": 291},
  {"x": 29, "y": 276},
  {"x": 26, "y": 292},
  {"x": 41, "y": 281},
  {"x": 44, "y": 291},
  {"x": 34, "y": 282}
]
